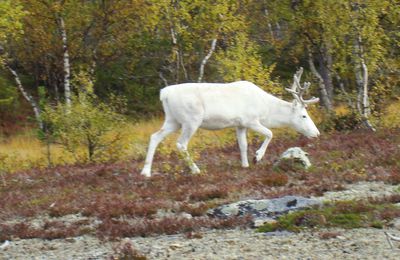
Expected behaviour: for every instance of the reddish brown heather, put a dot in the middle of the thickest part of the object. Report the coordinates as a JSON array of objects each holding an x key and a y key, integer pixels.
[{"x": 115, "y": 192}]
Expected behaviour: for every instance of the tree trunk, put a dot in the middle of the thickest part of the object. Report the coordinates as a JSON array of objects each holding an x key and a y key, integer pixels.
[
  {"x": 278, "y": 31},
  {"x": 175, "y": 50},
  {"x": 91, "y": 148},
  {"x": 271, "y": 32},
  {"x": 343, "y": 89},
  {"x": 183, "y": 64},
  {"x": 325, "y": 62},
  {"x": 27, "y": 96},
  {"x": 326, "y": 101},
  {"x": 206, "y": 58},
  {"x": 361, "y": 71},
  {"x": 362, "y": 98},
  {"x": 67, "y": 69},
  {"x": 163, "y": 79}
]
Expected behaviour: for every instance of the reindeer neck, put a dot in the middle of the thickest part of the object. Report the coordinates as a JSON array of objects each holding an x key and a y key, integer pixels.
[{"x": 279, "y": 113}]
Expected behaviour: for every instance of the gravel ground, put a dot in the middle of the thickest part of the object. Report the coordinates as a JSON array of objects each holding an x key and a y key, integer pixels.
[
  {"x": 220, "y": 244},
  {"x": 232, "y": 244}
]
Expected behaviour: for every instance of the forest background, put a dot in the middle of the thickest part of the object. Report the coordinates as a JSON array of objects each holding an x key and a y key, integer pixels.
[{"x": 80, "y": 72}]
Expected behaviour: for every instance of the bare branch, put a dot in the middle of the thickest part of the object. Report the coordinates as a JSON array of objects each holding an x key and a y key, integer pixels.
[
  {"x": 322, "y": 87},
  {"x": 163, "y": 78}
]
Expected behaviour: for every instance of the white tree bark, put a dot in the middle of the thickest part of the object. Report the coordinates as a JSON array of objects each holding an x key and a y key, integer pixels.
[
  {"x": 67, "y": 68},
  {"x": 206, "y": 58},
  {"x": 324, "y": 94},
  {"x": 271, "y": 32},
  {"x": 163, "y": 78},
  {"x": 366, "y": 110},
  {"x": 178, "y": 55},
  {"x": 365, "y": 103},
  {"x": 183, "y": 65},
  {"x": 27, "y": 96},
  {"x": 361, "y": 71}
]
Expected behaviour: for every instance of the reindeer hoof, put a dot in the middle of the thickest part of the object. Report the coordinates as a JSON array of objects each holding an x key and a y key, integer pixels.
[
  {"x": 146, "y": 173},
  {"x": 258, "y": 157}
]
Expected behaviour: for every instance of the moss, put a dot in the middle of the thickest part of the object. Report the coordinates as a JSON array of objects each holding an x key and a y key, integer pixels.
[
  {"x": 346, "y": 220},
  {"x": 268, "y": 227},
  {"x": 343, "y": 214},
  {"x": 40, "y": 201},
  {"x": 377, "y": 224}
]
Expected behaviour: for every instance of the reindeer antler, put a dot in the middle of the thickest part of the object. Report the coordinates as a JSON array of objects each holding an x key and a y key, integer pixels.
[{"x": 297, "y": 90}]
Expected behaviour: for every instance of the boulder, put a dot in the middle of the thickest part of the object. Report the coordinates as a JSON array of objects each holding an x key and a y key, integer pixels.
[
  {"x": 396, "y": 223},
  {"x": 295, "y": 154},
  {"x": 265, "y": 209}
]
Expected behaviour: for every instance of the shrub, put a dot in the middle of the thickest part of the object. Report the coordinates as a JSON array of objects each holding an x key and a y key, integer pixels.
[
  {"x": 90, "y": 123},
  {"x": 341, "y": 121},
  {"x": 274, "y": 179},
  {"x": 126, "y": 251},
  {"x": 391, "y": 117},
  {"x": 209, "y": 193},
  {"x": 328, "y": 235}
]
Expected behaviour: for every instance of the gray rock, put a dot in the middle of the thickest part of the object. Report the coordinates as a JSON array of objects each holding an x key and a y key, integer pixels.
[
  {"x": 296, "y": 154},
  {"x": 264, "y": 209},
  {"x": 396, "y": 223},
  {"x": 278, "y": 233},
  {"x": 230, "y": 209},
  {"x": 161, "y": 213},
  {"x": 5, "y": 245}
]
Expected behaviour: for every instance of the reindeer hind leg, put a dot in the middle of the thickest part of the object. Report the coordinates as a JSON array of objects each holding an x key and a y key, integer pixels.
[
  {"x": 187, "y": 132},
  {"x": 169, "y": 127}
]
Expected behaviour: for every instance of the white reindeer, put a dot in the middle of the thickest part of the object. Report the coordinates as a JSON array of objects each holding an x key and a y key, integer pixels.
[{"x": 239, "y": 104}]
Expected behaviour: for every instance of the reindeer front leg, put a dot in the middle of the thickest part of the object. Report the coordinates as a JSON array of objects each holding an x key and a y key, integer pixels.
[
  {"x": 268, "y": 136},
  {"x": 242, "y": 141}
]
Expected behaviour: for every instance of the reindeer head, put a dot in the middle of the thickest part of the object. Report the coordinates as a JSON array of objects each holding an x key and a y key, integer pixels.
[{"x": 301, "y": 121}]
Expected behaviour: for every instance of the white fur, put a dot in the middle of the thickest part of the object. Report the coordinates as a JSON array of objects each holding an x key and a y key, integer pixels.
[{"x": 214, "y": 106}]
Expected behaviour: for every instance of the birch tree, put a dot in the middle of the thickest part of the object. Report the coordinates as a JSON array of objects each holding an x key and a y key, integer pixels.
[
  {"x": 66, "y": 61},
  {"x": 11, "y": 14},
  {"x": 368, "y": 50}
]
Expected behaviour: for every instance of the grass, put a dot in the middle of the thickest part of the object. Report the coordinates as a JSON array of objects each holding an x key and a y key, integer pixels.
[
  {"x": 24, "y": 150},
  {"x": 116, "y": 201}
]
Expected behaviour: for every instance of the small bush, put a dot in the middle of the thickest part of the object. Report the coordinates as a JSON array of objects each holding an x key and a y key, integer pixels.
[
  {"x": 209, "y": 193},
  {"x": 193, "y": 235},
  {"x": 341, "y": 121},
  {"x": 391, "y": 117},
  {"x": 126, "y": 251},
  {"x": 328, "y": 235},
  {"x": 394, "y": 178},
  {"x": 194, "y": 210},
  {"x": 275, "y": 179},
  {"x": 88, "y": 123}
]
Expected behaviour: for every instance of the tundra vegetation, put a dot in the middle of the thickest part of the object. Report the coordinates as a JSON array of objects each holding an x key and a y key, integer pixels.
[{"x": 79, "y": 99}]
